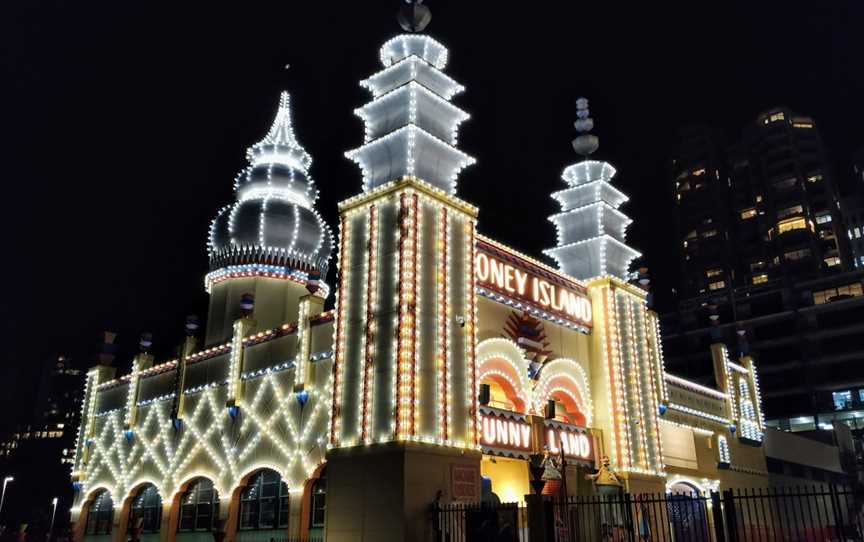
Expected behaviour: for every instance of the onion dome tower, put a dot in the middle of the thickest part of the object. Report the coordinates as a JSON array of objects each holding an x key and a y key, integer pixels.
[
  {"x": 272, "y": 232},
  {"x": 411, "y": 126},
  {"x": 591, "y": 230}
]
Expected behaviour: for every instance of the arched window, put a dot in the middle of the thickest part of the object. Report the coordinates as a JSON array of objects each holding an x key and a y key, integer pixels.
[
  {"x": 319, "y": 502},
  {"x": 199, "y": 507},
  {"x": 100, "y": 515},
  {"x": 264, "y": 502},
  {"x": 146, "y": 509}
]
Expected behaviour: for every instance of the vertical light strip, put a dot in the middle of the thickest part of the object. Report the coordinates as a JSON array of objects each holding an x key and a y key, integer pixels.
[
  {"x": 636, "y": 374},
  {"x": 303, "y": 343},
  {"x": 339, "y": 339},
  {"x": 614, "y": 407},
  {"x": 442, "y": 357},
  {"x": 405, "y": 318},
  {"x": 653, "y": 378},
  {"x": 470, "y": 316},
  {"x": 371, "y": 310},
  {"x": 417, "y": 295}
]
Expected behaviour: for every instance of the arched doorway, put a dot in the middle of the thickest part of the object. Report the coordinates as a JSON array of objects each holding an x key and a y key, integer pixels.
[
  {"x": 145, "y": 513},
  {"x": 264, "y": 504},
  {"x": 687, "y": 512},
  {"x": 318, "y": 506},
  {"x": 100, "y": 517},
  {"x": 199, "y": 511},
  {"x": 567, "y": 409}
]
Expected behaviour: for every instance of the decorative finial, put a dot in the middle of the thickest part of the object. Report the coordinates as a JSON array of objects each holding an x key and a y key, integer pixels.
[
  {"x": 414, "y": 16},
  {"x": 586, "y": 143}
]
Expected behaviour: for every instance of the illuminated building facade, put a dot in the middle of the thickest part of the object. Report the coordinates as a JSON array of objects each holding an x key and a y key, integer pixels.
[{"x": 448, "y": 356}]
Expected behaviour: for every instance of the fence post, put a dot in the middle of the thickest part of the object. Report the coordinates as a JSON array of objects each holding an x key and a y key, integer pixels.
[
  {"x": 717, "y": 517},
  {"x": 838, "y": 514},
  {"x": 729, "y": 515},
  {"x": 628, "y": 517},
  {"x": 537, "y": 519}
]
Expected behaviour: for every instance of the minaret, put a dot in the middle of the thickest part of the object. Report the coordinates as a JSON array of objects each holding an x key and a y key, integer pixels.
[
  {"x": 591, "y": 229},
  {"x": 271, "y": 243},
  {"x": 404, "y": 408}
]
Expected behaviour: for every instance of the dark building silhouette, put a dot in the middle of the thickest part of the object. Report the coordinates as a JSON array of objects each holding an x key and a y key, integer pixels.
[{"x": 768, "y": 268}]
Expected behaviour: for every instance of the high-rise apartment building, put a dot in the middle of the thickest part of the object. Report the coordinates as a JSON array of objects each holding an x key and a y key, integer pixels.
[{"x": 768, "y": 268}]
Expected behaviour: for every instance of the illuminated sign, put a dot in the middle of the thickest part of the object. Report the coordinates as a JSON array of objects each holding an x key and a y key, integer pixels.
[
  {"x": 509, "y": 433},
  {"x": 574, "y": 441},
  {"x": 521, "y": 280}
]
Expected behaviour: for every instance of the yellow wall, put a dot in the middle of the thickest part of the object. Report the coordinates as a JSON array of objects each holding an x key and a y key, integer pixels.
[{"x": 509, "y": 477}]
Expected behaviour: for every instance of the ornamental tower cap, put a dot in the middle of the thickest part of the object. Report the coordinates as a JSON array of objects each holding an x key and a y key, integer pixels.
[
  {"x": 592, "y": 232},
  {"x": 272, "y": 228}
]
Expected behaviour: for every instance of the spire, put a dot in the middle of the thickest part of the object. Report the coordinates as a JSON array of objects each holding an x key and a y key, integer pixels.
[
  {"x": 591, "y": 229},
  {"x": 280, "y": 145},
  {"x": 411, "y": 126}
]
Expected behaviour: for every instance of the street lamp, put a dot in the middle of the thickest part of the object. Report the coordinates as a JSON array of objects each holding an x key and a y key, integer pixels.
[
  {"x": 53, "y": 514},
  {"x": 3, "y": 494}
]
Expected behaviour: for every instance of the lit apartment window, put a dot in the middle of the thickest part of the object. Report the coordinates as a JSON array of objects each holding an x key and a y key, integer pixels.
[
  {"x": 748, "y": 213},
  {"x": 832, "y": 261},
  {"x": 709, "y": 233},
  {"x": 718, "y": 285},
  {"x": 789, "y": 211},
  {"x": 792, "y": 224},
  {"x": 698, "y": 172},
  {"x": 802, "y": 124},
  {"x": 757, "y": 265},
  {"x": 842, "y": 399},
  {"x": 715, "y": 272},
  {"x": 814, "y": 178},
  {"x": 760, "y": 279},
  {"x": 776, "y": 116},
  {"x": 823, "y": 218},
  {"x": 797, "y": 254},
  {"x": 824, "y": 296},
  {"x": 759, "y": 199}
]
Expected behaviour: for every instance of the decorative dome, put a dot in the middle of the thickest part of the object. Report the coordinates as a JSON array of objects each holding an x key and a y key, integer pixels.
[{"x": 272, "y": 228}]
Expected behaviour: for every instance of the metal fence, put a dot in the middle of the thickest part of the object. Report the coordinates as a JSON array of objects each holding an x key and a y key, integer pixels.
[
  {"x": 788, "y": 514},
  {"x": 480, "y": 522},
  {"x": 794, "y": 514}
]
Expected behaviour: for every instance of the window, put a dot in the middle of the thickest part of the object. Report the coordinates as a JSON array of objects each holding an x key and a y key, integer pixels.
[
  {"x": 709, "y": 233},
  {"x": 823, "y": 218},
  {"x": 802, "y": 125},
  {"x": 698, "y": 172},
  {"x": 199, "y": 507},
  {"x": 829, "y": 294},
  {"x": 789, "y": 211},
  {"x": 760, "y": 264},
  {"x": 791, "y": 224},
  {"x": 832, "y": 261},
  {"x": 100, "y": 516},
  {"x": 785, "y": 183},
  {"x": 774, "y": 117},
  {"x": 842, "y": 399},
  {"x": 797, "y": 254},
  {"x": 760, "y": 279},
  {"x": 319, "y": 502},
  {"x": 264, "y": 502},
  {"x": 814, "y": 178},
  {"x": 714, "y": 272},
  {"x": 747, "y": 214},
  {"x": 719, "y": 285},
  {"x": 146, "y": 508}
]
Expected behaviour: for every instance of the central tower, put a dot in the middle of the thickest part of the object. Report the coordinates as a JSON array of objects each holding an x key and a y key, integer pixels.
[{"x": 404, "y": 374}]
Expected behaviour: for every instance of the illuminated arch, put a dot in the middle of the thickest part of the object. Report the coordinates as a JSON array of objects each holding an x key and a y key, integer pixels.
[
  {"x": 565, "y": 379},
  {"x": 502, "y": 361},
  {"x": 704, "y": 485}
]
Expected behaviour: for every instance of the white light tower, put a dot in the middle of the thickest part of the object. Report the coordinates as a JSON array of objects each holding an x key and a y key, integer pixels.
[
  {"x": 591, "y": 229},
  {"x": 3, "y": 494}
]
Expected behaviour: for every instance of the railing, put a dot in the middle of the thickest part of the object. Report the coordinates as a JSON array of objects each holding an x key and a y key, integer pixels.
[
  {"x": 479, "y": 522},
  {"x": 788, "y": 514}
]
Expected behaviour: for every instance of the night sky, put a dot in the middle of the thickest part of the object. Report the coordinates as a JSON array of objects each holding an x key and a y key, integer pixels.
[{"x": 124, "y": 123}]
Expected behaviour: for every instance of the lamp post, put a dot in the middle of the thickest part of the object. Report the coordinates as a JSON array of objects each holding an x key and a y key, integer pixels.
[
  {"x": 53, "y": 515},
  {"x": 3, "y": 494}
]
